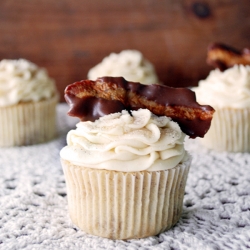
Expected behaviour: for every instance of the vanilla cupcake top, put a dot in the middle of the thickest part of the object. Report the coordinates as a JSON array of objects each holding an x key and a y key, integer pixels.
[
  {"x": 122, "y": 142},
  {"x": 23, "y": 81},
  {"x": 129, "y": 64},
  {"x": 230, "y": 88}
]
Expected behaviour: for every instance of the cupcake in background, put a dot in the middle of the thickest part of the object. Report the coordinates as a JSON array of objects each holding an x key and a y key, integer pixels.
[
  {"x": 227, "y": 88},
  {"x": 28, "y": 99},
  {"x": 129, "y": 64},
  {"x": 126, "y": 167}
]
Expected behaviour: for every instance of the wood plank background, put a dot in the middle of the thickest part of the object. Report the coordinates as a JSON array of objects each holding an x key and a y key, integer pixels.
[{"x": 68, "y": 37}]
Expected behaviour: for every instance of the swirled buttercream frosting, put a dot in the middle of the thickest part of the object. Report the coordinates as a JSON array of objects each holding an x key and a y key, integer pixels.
[
  {"x": 129, "y": 64},
  {"x": 128, "y": 143},
  {"x": 23, "y": 81},
  {"x": 230, "y": 88}
]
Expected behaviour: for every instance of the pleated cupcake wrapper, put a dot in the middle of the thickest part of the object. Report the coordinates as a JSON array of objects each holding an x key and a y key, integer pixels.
[
  {"x": 28, "y": 123},
  {"x": 229, "y": 131},
  {"x": 123, "y": 205}
]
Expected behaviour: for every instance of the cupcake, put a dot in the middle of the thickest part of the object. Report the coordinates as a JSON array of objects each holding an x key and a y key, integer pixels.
[
  {"x": 28, "y": 99},
  {"x": 228, "y": 89},
  {"x": 130, "y": 64},
  {"x": 125, "y": 165}
]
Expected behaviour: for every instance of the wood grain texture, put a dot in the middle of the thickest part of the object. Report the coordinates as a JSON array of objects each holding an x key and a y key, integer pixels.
[{"x": 69, "y": 37}]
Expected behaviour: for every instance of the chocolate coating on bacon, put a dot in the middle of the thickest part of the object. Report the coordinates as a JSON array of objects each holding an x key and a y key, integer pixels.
[
  {"x": 90, "y": 100},
  {"x": 223, "y": 56}
]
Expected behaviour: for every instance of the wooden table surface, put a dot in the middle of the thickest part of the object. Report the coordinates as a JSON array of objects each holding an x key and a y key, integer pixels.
[{"x": 69, "y": 37}]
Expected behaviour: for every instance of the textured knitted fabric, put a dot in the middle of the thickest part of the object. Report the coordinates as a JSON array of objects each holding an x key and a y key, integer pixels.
[{"x": 33, "y": 201}]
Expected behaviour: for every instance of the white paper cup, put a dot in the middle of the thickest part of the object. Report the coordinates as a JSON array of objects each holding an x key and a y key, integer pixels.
[
  {"x": 229, "y": 131},
  {"x": 124, "y": 205},
  {"x": 28, "y": 123}
]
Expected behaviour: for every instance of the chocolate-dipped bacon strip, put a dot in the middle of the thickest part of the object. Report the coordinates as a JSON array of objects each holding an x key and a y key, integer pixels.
[
  {"x": 223, "y": 57},
  {"x": 90, "y": 100}
]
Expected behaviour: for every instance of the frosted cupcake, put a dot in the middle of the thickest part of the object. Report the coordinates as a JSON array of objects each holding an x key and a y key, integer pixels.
[
  {"x": 28, "y": 99},
  {"x": 229, "y": 92},
  {"x": 126, "y": 167},
  {"x": 130, "y": 64}
]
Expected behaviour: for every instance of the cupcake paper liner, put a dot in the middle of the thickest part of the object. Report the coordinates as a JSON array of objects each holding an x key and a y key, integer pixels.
[
  {"x": 124, "y": 205},
  {"x": 229, "y": 131},
  {"x": 28, "y": 123}
]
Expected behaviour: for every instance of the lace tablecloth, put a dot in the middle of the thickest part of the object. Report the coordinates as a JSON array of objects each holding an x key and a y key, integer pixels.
[{"x": 33, "y": 201}]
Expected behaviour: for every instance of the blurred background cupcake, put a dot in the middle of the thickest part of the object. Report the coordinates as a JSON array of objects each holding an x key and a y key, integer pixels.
[
  {"x": 130, "y": 64},
  {"x": 228, "y": 90},
  {"x": 28, "y": 99}
]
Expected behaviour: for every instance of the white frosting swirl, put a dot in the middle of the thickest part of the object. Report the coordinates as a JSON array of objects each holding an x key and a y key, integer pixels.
[
  {"x": 129, "y": 64},
  {"x": 23, "y": 81},
  {"x": 230, "y": 88},
  {"x": 122, "y": 142}
]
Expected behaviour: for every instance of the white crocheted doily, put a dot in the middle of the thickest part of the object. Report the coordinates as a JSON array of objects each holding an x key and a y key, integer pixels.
[{"x": 33, "y": 201}]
